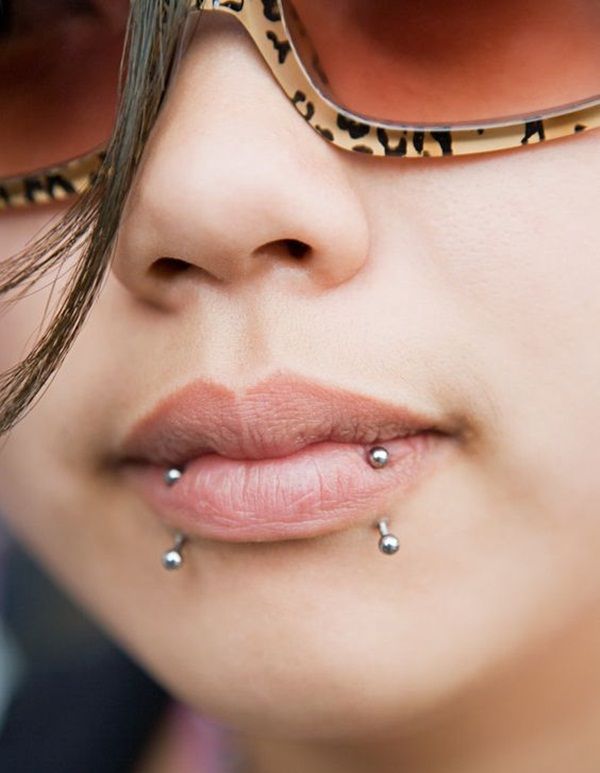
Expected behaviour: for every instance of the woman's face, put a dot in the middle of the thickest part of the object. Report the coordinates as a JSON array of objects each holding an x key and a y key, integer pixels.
[{"x": 465, "y": 288}]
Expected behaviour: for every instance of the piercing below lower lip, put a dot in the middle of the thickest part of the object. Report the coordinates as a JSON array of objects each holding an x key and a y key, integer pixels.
[
  {"x": 388, "y": 543},
  {"x": 172, "y": 558}
]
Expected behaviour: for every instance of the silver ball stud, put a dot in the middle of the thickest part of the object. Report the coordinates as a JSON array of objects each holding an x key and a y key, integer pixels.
[
  {"x": 378, "y": 456},
  {"x": 172, "y": 475},
  {"x": 388, "y": 543},
  {"x": 172, "y": 559}
]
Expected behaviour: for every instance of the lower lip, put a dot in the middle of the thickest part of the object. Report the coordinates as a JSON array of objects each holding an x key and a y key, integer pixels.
[{"x": 322, "y": 488}]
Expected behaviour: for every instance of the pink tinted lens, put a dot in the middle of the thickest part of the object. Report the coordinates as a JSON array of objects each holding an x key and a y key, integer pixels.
[
  {"x": 448, "y": 61},
  {"x": 59, "y": 70}
]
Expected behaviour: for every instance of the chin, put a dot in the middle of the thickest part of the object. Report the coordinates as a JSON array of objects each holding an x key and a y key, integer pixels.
[{"x": 307, "y": 649}]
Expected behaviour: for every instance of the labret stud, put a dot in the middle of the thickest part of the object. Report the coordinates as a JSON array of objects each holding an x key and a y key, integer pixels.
[
  {"x": 388, "y": 543},
  {"x": 173, "y": 558}
]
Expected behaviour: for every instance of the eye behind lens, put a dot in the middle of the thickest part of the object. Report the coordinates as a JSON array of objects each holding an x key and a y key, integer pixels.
[
  {"x": 59, "y": 71},
  {"x": 448, "y": 61}
]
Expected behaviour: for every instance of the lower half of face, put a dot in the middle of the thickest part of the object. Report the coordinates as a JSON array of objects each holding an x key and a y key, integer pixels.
[{"x": 477, "y": 302}]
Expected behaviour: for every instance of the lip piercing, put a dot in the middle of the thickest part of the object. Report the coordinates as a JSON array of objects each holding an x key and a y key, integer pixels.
[
  {"x": 172, "y": 475},
  {"x": 172, "y": 558},
  {"x": 388, "y": 543},
  {"x": 378, "y": 456}
]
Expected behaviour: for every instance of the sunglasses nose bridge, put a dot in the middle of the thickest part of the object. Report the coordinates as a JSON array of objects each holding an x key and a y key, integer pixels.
[{"x": 264, "y": 23}]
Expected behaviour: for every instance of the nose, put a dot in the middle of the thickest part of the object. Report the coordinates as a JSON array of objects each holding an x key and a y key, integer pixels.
[{"x": 233, "y": 185}]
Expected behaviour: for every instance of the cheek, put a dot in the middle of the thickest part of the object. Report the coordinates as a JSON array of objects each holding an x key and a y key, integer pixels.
[
  {"x": 501, "y": 255},
  {"x": 27, "y": 453},
  {"x": 507, "y": 244}
]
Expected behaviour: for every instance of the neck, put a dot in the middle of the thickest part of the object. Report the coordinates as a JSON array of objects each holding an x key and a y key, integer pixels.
[{"x": 540, "y": 714}]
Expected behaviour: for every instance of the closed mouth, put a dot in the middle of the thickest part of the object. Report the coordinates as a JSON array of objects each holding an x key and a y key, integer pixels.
[{"x": 287, "y": 460}]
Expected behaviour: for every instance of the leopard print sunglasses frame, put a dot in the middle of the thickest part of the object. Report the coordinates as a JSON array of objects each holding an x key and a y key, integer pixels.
[{"x": 265, "y": 22}]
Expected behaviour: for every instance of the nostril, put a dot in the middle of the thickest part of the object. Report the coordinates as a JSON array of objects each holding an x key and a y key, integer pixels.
[
  {"x": 165, "y": 268},
  {"x": 296, "y": 249}
]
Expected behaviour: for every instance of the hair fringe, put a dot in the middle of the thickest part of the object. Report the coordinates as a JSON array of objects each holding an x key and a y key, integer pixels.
[{"x": 154, "y": 31}]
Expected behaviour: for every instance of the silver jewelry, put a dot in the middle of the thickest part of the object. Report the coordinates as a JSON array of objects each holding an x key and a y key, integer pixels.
[
  {"x": 388, "y": 543},
  {"x": 378, "y": 456},
  {"x": 172, "y": 475},
  {"x": 172, "y": 558}
]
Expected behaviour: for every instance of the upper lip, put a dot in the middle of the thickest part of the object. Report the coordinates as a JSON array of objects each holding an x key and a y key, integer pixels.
[{"x": 275, "y": 417}]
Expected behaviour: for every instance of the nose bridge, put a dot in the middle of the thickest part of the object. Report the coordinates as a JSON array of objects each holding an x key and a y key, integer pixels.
[
  {"x": 262, "y": 20},
  {"x": 263, "y": 23}
]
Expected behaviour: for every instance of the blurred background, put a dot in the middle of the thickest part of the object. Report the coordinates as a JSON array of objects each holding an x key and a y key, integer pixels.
[{"x": 70, "y": 699}]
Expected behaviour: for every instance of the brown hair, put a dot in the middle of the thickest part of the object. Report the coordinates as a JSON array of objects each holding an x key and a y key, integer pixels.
[{"x": 154, "y": 32}]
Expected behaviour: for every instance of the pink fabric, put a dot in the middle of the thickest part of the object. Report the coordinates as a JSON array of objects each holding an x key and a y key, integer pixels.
[{"x": 204, "y": 744}]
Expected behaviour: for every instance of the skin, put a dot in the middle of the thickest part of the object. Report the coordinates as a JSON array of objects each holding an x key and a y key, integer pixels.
[{"x": 471, "y": 286}]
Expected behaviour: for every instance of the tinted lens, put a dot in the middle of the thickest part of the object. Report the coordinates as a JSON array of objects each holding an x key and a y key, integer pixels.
[
  {"x": 447, "y": 61},
  {"x": 59, "y": 68}
]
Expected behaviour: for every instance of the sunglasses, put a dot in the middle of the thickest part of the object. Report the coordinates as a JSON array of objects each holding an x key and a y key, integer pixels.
[{"x": 379, "y": 77}]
